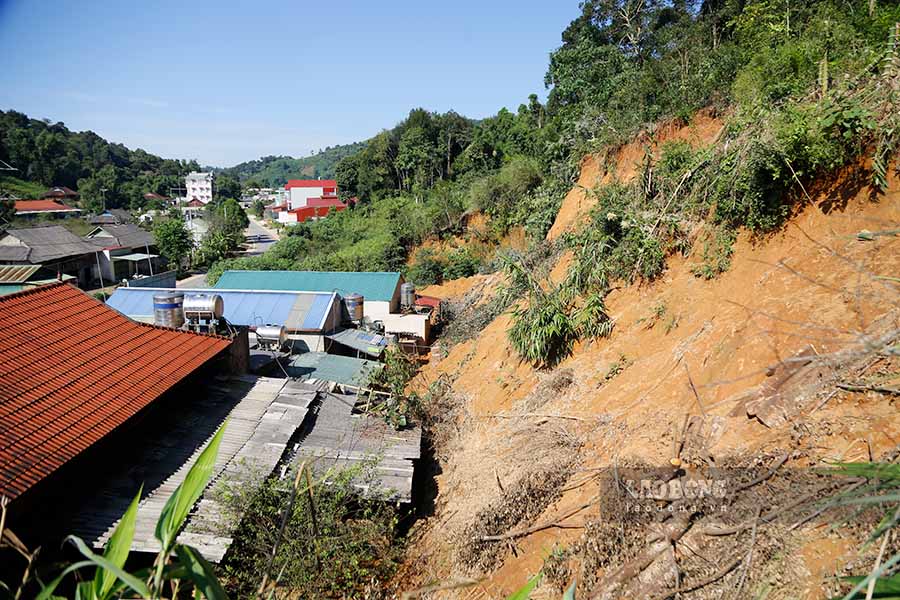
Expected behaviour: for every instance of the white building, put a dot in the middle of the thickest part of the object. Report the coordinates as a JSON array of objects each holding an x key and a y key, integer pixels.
[
  {"x": 303, "y": 190},
  {"x": 199, "y": 186}
]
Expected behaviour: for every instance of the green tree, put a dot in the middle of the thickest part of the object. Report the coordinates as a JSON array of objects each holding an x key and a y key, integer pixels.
[
  {"x": 174, "y": 241},
  {"x": 259, "y": 208},
  {"x": 225, "y": 186},
  {"x": 215, "y": 246}
]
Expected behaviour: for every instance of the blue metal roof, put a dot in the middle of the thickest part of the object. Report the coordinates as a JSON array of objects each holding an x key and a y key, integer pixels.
[
  {"x": 379, "y": 286},
  {"x": 297, "y": 311}
]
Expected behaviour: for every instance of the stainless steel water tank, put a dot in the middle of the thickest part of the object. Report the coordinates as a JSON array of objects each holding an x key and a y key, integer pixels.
[
  {"x": 168, "y": 309},
  {"x": 407, "y": 295},
  {"x": 203, "y": 306},
  {"x": 354, "y": 304},
  {"x": 271, "y": 335}
]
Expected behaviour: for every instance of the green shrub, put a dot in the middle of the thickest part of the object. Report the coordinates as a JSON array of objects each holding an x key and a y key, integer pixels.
[
  {"x": 347, "y": 549},
  {"x": 427, "y": 269},
  {"x": 460, "y": 263},
  {"x": 717, "y": 250},
  {"x": 543, "y": 332}
]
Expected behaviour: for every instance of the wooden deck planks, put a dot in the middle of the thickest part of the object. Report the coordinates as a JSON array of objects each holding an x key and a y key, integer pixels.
[
  {"x": 336, "y": 438},
  {"x": 261, "y": 422}
]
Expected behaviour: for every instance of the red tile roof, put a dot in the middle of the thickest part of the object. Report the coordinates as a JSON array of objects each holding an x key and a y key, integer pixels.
[
  {"x": 41, "y": 206},
  {"x": 72, "y": 370},
  {"x": 310, "y": 183},
  {"x": 326, "y": 201}
]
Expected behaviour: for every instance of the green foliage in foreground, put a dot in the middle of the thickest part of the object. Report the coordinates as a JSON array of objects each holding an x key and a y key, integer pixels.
[
  {"x": 186, "y": 570},
  {"x": 879, "y": 487},
  {"x": 333, "y": 542}
]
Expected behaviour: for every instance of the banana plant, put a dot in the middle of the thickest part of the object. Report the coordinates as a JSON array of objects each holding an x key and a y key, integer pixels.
[{"x": 111, "y": 580}]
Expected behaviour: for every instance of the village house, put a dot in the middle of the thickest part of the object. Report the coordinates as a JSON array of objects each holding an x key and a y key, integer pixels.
[
  {"x": 154, "y": 197},
  {"x": 301, "y": 191},
  {"x": 61, "y": 193},
  {"x": 111, "y": 216},
  {"x": 199, "y": 186},
  {"x": 96, "y": 406},
  {"x": 30, "y": 209},
  {"x": 53, "y": 247},
  {"x": 124, "y": 251},
  {"x": 74, "y": 373},
  {"x": 380, "y": 292},
  {"x": 308, "y": 317}
]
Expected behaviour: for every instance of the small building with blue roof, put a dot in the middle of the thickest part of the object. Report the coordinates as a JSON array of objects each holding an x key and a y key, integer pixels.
[{"x": 307, "y": 316}]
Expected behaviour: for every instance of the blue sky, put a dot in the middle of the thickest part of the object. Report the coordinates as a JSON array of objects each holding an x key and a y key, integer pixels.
[{"x": 225, "y": 82}]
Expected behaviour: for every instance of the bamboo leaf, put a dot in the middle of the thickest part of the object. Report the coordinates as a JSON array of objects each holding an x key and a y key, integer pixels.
[
  {"x": 200, "y": 572},
  {"x": 46, "y": 592},
  {"x": 524, "y": 593},
  {"x": 182, "y": 500},
  {"x": 130, "y": 580},
  {"x": 117, "y": 548}
]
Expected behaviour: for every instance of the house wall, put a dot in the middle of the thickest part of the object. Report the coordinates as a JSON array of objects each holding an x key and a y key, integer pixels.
[
  {"x": 301, "y": 195},
  {"x": 286, "y": 217},
  {"x": 414, "y": 324},
  {"x": 306, "y": 342},
  {"x": 335, "y": 316},
  {"x": 199, "y": 187},
  {"x": 375, "y": 309}
]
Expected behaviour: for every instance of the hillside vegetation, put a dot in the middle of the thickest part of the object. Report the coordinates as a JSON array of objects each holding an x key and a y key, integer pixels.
[
  {"x": 802, "y": 86},
  {"x": 274, "y": 171},
  {"x": 49, "y": 154}
]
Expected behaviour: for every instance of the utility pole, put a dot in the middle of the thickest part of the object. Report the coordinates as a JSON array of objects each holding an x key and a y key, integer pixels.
[{"x": 103, "y": 197}]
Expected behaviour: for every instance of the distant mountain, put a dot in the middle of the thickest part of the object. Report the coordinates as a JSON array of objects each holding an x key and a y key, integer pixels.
[{"x": 274, "y": 171}]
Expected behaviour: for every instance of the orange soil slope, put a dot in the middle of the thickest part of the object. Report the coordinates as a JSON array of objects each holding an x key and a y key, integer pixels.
[
  {"x": 622, "y": 165},
  {"x": 811, "y": 285}
]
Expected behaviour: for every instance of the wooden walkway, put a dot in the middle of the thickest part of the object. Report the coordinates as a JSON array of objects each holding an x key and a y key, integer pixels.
[{"x": 264, "y": 413}]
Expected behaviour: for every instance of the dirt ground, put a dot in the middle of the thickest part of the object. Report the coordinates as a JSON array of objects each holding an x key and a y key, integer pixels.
[{"x": 725, "y": 355}]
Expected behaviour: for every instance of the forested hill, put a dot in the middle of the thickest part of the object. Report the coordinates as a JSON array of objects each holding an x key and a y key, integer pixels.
[
  {"x": 50, "y": 154},
  {"x": 274, "y": 171}
]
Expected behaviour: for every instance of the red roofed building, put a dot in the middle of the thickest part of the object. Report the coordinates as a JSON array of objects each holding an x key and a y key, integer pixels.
[
  {"x": 33, "y": 208},
  {"x": 299, "y": 215},
  {"x": 73, "y": 370},
  {"x": 301, "y": 190},
  {"x": 61, "y": 193}
]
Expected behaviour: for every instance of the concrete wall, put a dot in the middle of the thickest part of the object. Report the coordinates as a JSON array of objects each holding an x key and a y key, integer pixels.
[
  {"x": 300, "y": 196},
  {"x": 304, "y": 342},
  {"x": 414, "y": 324}
]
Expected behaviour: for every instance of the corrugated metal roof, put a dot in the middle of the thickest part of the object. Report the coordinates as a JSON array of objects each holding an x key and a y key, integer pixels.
[
  {"x": 124, "y": 235},
  {"x": 17, "y": 273},
  {"x": 72, "y": 370},
  {"x": 379, "y": 286},
  {"x": 45, "y": 244},
  {"x": 331, "y": 367},
  {"x": 372, "y": 344},
  {"x": 297, "y": 311}
]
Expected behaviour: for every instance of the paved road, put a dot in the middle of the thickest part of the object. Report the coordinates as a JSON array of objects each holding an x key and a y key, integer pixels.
[
  {"x": 260, "y": 238},
  {"x": 194, "y": 281}
]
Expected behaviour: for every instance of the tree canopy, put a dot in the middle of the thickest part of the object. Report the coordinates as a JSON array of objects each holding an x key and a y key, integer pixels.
[{"x": 52, "y": 155}]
